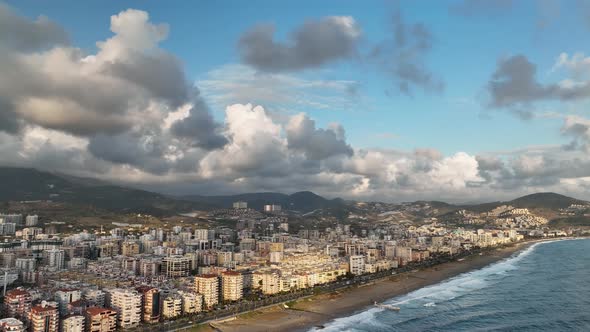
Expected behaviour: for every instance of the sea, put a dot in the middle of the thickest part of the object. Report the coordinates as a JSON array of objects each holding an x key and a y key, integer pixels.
[{"x": 546, "y": 287}]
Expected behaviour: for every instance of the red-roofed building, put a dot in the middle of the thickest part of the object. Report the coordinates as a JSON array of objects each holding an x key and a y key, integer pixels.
[
  {"x": 101, "y": 320},
  {"x": 18, "y": 303},
  {"x": 44, "y": 318}
]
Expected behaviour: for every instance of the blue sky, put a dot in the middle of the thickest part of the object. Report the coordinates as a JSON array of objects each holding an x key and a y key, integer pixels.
[
  {"x": 465, "y": 50},
  {"x": 466, "y": 43}
]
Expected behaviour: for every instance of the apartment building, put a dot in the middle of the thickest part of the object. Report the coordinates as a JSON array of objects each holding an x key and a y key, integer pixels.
[
  {"x": 208, "y": 286},
  {"x": 232, "y": 285},
  {"x": 44, "y": 318},
  {"x": 101, "y": 320},
  {"x": 74, "y": 323},
  {"x": 127, "y": 304},
  {"x": 150, "y": 299},
  {"x": 18, "y": 303},
  {"x": 172, "y": 306}
]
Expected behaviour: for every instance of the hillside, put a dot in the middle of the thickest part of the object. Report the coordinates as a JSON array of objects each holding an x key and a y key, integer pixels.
[
  {"x": 545, "y": 200},
  {"x": 304, "y": 201},
  {"x": 22, "y": 184}
]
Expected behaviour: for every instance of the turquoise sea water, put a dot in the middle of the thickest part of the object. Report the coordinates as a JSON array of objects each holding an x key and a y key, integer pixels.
[{"x": 544, "y": 288}]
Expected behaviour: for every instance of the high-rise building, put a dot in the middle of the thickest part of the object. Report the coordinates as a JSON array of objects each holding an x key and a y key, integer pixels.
[
  {"x": 127, "y": 304},
  {"x": 201, "y": 234},
  {"x": 176, "y": 266},
  {"x": 31, "y": 220},
  {"x": 272, "y": 208},
  {"x": 73, "y": 323},
  {"x": 240, "y": 205},
  {"x": 150, "y": 299},
  {"x": 55, "y": 258},
  {"x": 208, "y": 286},
  {"x": 101, "y": 320},
  {"x": 7, "y": 228},
  {"x": 172, "y": 306},
  {"x": 18, "y": 303},
  {"x": 25, "y": 264},
  {"x": 232, "y": 284},
  {"x": 44, "y": 318},
  {"x": 12, "y": 218},
  {"x": 65, "y": 296}
]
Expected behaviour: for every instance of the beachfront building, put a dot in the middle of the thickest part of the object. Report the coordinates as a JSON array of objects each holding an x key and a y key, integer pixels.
[
  {"x": 127, "y": 304},
  {"x": 356, "y": 264},
  {"x": 191, "y": 303},
  {"x": 268, "y": 282},
  {"x": 150, "y": 299},
  {"x": 207, "y": 285},
  {"x": 172, "y": 306},
  {"x": 101, "y": 320},
  {"x": 232, "y": 284}
]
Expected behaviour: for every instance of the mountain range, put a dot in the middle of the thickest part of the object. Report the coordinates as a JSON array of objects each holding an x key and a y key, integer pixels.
[{"x": 24, "y": 184}]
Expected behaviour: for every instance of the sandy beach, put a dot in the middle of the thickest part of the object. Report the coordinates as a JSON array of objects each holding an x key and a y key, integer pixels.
[{"x": 318, "y": 310}]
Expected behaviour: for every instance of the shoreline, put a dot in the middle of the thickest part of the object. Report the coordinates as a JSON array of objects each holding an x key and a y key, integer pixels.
[{"x": 321, "y": 309}]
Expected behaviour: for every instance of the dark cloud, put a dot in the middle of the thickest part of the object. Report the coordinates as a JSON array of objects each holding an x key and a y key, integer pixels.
[
  {"x": 402, "y": 57},
  {"x": 313, "y": 44},
  {"x": 200, "y": 127},
  {"x": 141, "y": 150},
  {"x": 317, "y": 144},
  {"x": 514, "y": 85},
  {"x": 578, "y": 129},
  {"x": 160, "y": 73},
  {"x": 22, "y": 34}
]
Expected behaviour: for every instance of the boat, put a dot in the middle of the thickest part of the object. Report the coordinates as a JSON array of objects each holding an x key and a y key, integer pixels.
[{"x": 386, "y": 306}]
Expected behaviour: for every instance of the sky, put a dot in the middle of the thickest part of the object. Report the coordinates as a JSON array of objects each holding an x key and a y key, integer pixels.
[{"x": 460, "y": 101}]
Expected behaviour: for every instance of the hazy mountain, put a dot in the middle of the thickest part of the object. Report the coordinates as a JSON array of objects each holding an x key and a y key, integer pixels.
[
  {"x": 303, "y": 201},
  {"x": 546, "y": 200},
  {"x": 20, "y": 184},
  {"x": 24, "y": 184}
]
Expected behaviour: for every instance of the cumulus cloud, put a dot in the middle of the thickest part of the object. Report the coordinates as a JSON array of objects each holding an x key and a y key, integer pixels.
[
  {"x": 127, "y": 113},
  {"x": 319, "y": 143},
  {"x": 21, "y": 34},
  {"x": 326, "y": 40},
  {"x": 578, "y": 128},
  {"x": 313, "y": 44},
  {"x": 117, "y": 100}
]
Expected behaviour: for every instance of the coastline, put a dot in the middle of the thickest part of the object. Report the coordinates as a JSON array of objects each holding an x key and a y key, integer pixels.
[{"x": 320, "y": 309}]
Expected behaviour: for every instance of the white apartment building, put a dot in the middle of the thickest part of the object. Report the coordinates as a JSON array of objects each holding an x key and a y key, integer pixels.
[
  {"x": 172, "y": 306},
  {"x": 74, "y": 323},
  {"x": 65, "y": 296},
  {"x": 356, "y": 264},
  {"x": 207, "y": 285},
  {"x": 191, "y": 303},
  {"x": 232, "y": 284},
  {"x": 127, "y": 304}
]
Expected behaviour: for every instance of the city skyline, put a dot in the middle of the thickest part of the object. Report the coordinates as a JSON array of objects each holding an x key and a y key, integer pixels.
[{"x": 456, "y": 101}]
